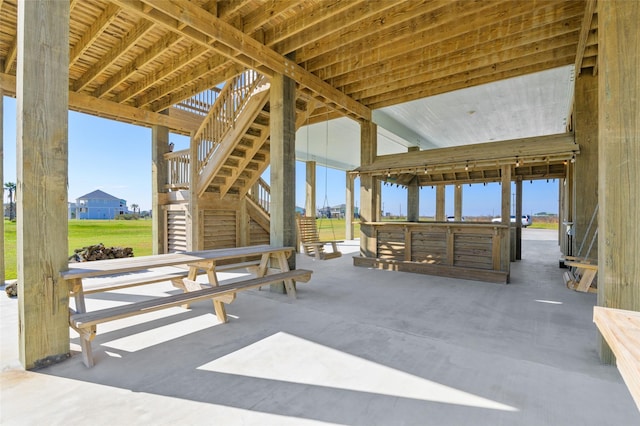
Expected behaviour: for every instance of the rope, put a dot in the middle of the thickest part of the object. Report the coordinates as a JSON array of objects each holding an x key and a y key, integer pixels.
[{"x": 325, "y": 205}]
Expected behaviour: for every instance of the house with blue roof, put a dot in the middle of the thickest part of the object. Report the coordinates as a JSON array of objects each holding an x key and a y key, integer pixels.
[{"x": 98, "y": 205}]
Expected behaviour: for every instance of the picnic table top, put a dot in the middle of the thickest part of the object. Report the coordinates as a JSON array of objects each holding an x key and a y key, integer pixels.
[{"x": 114, "y": 266}]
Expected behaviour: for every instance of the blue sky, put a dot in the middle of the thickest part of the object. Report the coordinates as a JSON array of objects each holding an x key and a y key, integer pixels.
[{"x": 116, "y": 158}]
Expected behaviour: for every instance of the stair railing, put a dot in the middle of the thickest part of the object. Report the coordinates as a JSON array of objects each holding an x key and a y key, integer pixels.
[
  {"x": 177, "y": 169},
  {"x": 222, "y": 117},
  {"x": 260, "y": 193}
]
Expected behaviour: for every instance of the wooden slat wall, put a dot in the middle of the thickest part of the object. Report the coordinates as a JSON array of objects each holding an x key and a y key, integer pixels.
[
  {"x": 473, "y": 251},
  {"x": 429, "y": 247},
  {"x": 257, "y": 234},
  {"x": 219, "y": 229},
  {"x": 391, "y": 244},
  {"x": 469, "y": 246},
  {"x": 176, "y": 231}
]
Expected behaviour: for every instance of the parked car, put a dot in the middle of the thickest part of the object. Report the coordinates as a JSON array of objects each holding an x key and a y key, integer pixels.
[
  {"x": 526, "y": 220},
  {"x": 453, "y": 219}
]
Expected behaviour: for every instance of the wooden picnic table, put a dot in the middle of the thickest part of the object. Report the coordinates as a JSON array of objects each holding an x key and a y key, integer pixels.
[{"x": 85, "y": 322}]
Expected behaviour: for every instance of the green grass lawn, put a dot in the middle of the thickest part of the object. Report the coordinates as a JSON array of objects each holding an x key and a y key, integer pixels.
[
  {"x": 334, "y": 229},
  {"x": 123, "y": 233}
]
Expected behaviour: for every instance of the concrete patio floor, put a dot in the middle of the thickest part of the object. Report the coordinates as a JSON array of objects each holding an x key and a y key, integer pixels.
[{"x": 357, "y": 347}]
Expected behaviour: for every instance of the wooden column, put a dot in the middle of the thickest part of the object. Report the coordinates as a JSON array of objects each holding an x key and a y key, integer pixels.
[
  {"x": 283, "y": 166},
  {"x": 413, "y": 196},
  {"x": 585, "y": 114},
  {"x": 193, "y": 211},
  {"x": 159, "y": 177},
  {"x": 2, "y": 267},
  {"x": 518, "y": 241},
  {"x": 568, "y": 207},
  {"x": 619, "y": 157},
  {"x": 349, "y": 209},
  {"x": 440, "y": 203},
  {"x": 457, "y": 202},
  {"x": 42, "y": 173},
  {"x": 369, "y": 189},
  {"x": 413, "y": 200},
  {"x": 310, "y": 198},
  {"x": 506, "y": 216},
  {"x": 562, "y": 229}
]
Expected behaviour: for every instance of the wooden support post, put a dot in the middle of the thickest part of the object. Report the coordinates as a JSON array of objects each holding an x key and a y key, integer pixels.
[
  {"x": 310, "y": 198},
  {"x": 505, "y": 248},
  {"x": 518, "y": 241},
  {"x": 619, "y": 158},
  {"x": 283, "y": 167},
  {"x": 562, "y": 229},
  {"x": 369, "y": 189},
  {"x": 243, "y": 224},
  {"x": 440, "y": 203},
  {"x": 457, "y": 203},
  {"x": 349, "y": 209},
  {"x": 569, "y": 206},
  {"x": 159, "y": 177},
  {"x": 585, "y": 114},
  {"x": 42, "y": 158},
  {"x": 193, "y": 211},
  {"x": 413, "y": 195},
  {"x": 2, "y": 267}
]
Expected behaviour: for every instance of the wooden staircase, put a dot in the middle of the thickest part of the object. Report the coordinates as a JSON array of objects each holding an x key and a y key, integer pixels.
[{"x": 231, "y": 151}]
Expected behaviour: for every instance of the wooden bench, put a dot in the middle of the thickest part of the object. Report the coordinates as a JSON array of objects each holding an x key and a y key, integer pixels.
[
  {"x": 207, "y": 261},
  {"x": 85, "y": 323},
  {"x": 581, "y": 277}
]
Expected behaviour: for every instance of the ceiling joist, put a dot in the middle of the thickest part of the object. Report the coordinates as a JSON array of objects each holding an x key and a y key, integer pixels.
[{"x": 205, "y": 28}]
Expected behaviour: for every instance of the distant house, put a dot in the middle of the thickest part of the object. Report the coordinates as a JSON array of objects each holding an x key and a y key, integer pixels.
[
  {"x": 336, "y": 212},
  {"x": 97, "y": 205}
]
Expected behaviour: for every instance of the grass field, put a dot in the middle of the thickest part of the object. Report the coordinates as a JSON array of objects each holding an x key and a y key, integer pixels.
[{"x": 124, "y": 233}]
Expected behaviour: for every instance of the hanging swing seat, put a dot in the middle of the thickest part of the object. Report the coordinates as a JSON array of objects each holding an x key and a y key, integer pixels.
[
  {"x": 581, "y": 275},
  {"x": 310, "y": 240}
]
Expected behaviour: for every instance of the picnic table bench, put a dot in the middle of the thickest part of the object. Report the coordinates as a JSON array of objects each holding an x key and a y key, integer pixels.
[{"x": 85, "y": 323}]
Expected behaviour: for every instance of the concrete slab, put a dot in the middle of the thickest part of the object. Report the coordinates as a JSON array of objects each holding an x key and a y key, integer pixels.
[{"x": 358, "y": 347}]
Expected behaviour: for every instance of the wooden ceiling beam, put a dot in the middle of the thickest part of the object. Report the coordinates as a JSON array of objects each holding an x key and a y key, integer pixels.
[
  {"x": 111, "y": 110},
  {"x": 169, "y": 67},
  {"x": 360, "y": 30},
  {"x": 490, "y": 57},
  {"x": 487, "y": 25},
  {"x": 542, "y": 149},
  {"x": 119, "y": 49},
  {"x": 585, "y": 29},
  {"x": 317, "y": 23},
  {"x": 140, "y": 61},
  {"x": 204, "y": 82},
  {"x": 483, "y": 46},
  {"x": 211, "y": 65},
  {"x": 227, "y": 8},
  {"x": 95, "y": 30},
  {"x": 205, "y": 28},
  {"x": 255, "y": 20},
  {"x": 457, "y": 82},
  {"x": 11, "y": 56}
]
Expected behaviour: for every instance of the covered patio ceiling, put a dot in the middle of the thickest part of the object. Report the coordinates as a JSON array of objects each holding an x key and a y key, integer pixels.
[
  {"x": 431, "y": 73},
  {"x": 531, "y": 105}
]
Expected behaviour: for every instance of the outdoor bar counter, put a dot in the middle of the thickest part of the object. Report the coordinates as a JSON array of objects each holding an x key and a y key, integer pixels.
[{"x": 474, "y": 251}]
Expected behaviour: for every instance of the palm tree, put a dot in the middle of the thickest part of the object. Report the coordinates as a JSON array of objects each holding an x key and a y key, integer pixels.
[
  {"x": 134, "y": 207},
  {"x": 11, "y": 187}
]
